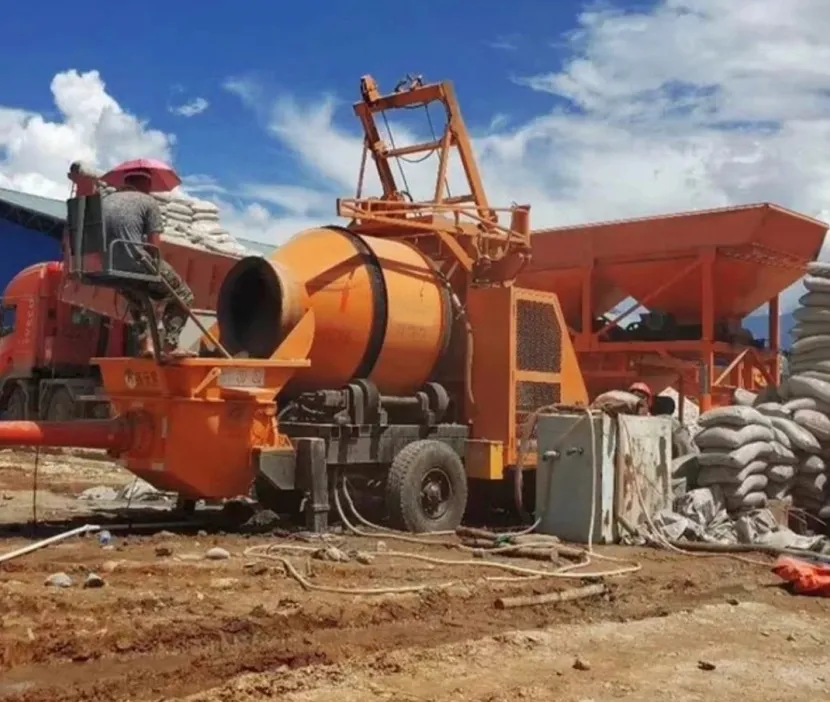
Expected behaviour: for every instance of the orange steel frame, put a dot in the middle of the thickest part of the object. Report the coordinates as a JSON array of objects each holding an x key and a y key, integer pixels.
[
  {"x": 466, "y": 228},
  {"x": 465, "y": 238},
  {"x": 707, "y": 370}
]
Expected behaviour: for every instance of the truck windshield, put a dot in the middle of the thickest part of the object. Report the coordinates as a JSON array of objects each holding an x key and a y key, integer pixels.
[{"x": 8, "y": 315}]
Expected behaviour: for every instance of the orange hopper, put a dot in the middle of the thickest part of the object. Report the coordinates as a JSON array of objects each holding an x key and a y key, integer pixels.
[{"x": 706, "y": 269}]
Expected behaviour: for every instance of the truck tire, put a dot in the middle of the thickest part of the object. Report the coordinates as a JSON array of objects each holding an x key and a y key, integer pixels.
[
  {"x": 61, "y": 406},
  {"x": 426, "y": 489},
  {"x": 13, "y": 409}
]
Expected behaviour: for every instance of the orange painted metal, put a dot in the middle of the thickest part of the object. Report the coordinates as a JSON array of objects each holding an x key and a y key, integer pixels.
[
  {"x": 113, "y": 435},
  {"x": 201, "y": 418},
  {"x": 759, "y": 251},
  {"x": 463, "y": 228},
  {"x": 349, "y": 299},
  {"x": 709, "y": 268},
  {"x": 523, "y": 360}
]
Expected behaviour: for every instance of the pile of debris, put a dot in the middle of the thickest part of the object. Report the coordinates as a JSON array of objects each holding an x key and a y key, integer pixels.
[{"x": 701, "y": 516}]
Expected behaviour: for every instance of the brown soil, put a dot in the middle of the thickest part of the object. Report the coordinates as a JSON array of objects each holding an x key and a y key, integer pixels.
[{"x": 171, "y": 626}]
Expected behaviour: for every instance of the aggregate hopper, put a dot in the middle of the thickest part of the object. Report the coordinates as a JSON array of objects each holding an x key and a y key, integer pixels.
[{"x": 704, "y": 271}]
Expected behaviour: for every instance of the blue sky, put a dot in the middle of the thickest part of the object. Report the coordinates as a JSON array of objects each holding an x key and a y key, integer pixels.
[
  {"x": 586, "y": 111},
  {"x": 182, "y": 50}
]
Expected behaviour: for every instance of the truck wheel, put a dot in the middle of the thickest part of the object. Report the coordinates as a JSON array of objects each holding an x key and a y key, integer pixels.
[
  {"x": 14, "y": 408},
  {"x": 426, "y": 489},
  {"x": 61, "y": 406}
]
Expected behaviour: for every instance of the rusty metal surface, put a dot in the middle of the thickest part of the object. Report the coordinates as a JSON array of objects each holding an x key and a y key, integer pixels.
[{"x": 643, "y": 467}]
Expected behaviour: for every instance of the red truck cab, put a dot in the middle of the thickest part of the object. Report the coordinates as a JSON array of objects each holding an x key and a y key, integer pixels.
[{"x": 52, "y": 326}]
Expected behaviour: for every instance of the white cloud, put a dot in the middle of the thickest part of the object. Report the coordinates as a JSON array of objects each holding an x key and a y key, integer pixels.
[
  {"x": 35, "y": 152},
  {"x": 691, "y": 104},
  {"x": 191, "y": 108}
]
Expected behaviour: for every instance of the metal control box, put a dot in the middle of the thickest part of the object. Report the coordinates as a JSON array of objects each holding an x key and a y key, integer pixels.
[{"x": 633, "y": 465}]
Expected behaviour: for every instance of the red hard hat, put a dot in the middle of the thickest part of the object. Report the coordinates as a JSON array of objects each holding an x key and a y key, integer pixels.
[{"x": 641, "y": 387}]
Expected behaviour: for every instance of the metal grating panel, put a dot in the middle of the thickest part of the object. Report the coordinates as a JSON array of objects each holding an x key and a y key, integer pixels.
[
  {"x": 531, "y": 396},
  {"x": 537, "y": 337}
]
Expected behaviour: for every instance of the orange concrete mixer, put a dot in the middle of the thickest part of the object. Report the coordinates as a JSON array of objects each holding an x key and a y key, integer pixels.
[{"x": 396, "y": 349}]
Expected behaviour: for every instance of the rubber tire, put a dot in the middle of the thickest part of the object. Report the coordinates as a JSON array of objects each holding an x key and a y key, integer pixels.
[
  {"x": 14, "y": 407},
  {"x": 403, "y": 486},
  {"x": 61, "y": 406}
]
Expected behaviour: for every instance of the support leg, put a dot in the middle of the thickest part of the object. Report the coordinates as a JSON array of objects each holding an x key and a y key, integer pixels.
[{"x": 312, "y": 479}]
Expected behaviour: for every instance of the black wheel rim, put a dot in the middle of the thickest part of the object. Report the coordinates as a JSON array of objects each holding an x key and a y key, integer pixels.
[{"x": 436, "y": 493}]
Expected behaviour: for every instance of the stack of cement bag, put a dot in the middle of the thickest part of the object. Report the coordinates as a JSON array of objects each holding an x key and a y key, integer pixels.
[
  {"x": 806, "y": 393},
  {"x": 745, "y": 453},
  {"x": 195, "y": 222}
]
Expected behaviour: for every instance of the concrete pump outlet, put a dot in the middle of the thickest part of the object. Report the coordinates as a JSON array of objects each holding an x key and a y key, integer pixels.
[{"x": 380, "y": 309}]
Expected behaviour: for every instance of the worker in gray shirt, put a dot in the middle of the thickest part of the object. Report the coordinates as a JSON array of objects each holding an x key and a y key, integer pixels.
[{"x": 134, "y": 216}]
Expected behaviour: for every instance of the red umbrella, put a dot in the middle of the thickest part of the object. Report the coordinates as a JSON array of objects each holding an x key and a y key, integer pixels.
[{"x": 163, "y": 177}]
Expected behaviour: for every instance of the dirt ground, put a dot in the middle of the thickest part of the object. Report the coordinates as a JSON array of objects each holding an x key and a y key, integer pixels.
[{"x": 171, "y": 624}]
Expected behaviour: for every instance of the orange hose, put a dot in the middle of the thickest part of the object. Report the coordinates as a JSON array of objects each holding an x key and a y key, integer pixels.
[{"x": 93, "y": 434}]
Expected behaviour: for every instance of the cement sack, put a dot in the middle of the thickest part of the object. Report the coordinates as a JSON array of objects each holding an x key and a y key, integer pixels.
[
  {"x": 773, "y": 409},
  {"x": 812, "y": 343},
  {"x": 807, "y": 403},
  {"x": 811, "y": 485},
  {"x": 203, "y": 206},
  {"x": 819, "y": 269},
  {"x": 780, "y": 473},
  {"x": 813, "y": 315},
  {"x": 781, "y": 454},
  {"x": 163, "y": 198},
  {"x": 210, "y": 228},
  {"x": 822, "y": 365},
  {"x": 205, "y": 217},
  {"x": 815, "y": 284},
  {"x": 800, "y": 438},
  {"x": 815, "y": 299},
  {"x": 754, "y": 500},
  {"x": 618, "y": 402},
  {"x": 178, "y": 217},
  {"x": 686, "y": 467},
  {"x": 816, "y": 423},
  {"x": 173, "y": 233},
  {"x": 745, "y": 398},
  {"x": 729, "y": 439},
  {"x": 178, "y": 208},
  {"x": 811, "y": 465},
  {"x": 780, "y": 492},
  {"x": 754, "y": 483},
  {"x": 815, "y": 375},
  {"x": 800, "y": 386},
  {"x": 739, "y": 458},
  {"x": 782, "y": 438},
  {"x": 735, "y": 416},
  {"x": 802, "y": 330},
  {"x": 719, "y": 475}
]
